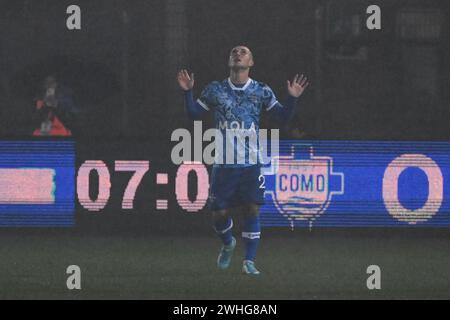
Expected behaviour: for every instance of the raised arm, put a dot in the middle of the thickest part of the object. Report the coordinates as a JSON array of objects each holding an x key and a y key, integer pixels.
[
  {"x": 186, "y": 83},
  {"x": 295, "y": 89}
]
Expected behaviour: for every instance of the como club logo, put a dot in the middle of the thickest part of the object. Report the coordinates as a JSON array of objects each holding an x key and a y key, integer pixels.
[{"x": 303, "y": 184}]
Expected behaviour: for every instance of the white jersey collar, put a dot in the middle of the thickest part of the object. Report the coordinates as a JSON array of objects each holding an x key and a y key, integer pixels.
[{"x": 237, "y": 88}]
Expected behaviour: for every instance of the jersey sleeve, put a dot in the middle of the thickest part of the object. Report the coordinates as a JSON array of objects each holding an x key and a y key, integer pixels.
[
  {"x": 269, "y": 99},
  {"x": 207, "y": 97}
]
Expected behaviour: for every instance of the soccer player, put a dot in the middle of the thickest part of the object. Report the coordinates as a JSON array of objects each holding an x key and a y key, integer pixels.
[{"x": 238, "y": 99}]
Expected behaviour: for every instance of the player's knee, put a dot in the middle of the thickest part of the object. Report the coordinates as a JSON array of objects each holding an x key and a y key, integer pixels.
[
  {"x": 252, "y": 211},
  {"x": 220, "y": 214}
]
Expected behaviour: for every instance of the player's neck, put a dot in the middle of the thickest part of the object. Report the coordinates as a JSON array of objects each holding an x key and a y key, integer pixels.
[{"x": 239, "y": 76}]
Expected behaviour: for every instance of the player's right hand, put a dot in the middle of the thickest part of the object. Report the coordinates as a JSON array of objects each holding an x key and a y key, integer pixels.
[{"x": 185, "y": 80}]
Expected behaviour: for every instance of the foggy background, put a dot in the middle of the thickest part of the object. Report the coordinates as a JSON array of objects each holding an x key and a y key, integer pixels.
[{"x": 382, "y": 84}]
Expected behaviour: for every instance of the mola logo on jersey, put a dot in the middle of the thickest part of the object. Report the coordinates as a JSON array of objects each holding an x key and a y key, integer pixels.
[{"x": 302, "y": 184}]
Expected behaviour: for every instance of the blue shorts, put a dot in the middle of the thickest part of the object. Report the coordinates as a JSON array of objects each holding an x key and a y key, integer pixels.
[{"x": 233, "y": 187}]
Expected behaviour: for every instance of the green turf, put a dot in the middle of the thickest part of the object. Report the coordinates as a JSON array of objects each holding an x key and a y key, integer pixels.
[{"x": 296, "y": 265}]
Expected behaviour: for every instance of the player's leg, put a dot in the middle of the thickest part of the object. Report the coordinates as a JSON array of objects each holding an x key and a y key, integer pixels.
[
  {"x": 252, "y": 196},
  {"x": 223, "y": 225},
  {"x": 251, "y": 234},
  {"x": 221, "y": 198}
]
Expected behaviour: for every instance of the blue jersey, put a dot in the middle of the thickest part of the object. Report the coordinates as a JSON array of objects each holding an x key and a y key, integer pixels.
[{"x": 237, "y": 108}]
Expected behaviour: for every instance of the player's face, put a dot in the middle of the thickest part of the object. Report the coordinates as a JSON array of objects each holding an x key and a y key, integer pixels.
[{"x": 240, "y": 57}]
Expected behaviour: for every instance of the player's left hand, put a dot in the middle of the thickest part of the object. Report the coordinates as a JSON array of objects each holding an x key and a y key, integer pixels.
[{"x": 297, "y": 86}]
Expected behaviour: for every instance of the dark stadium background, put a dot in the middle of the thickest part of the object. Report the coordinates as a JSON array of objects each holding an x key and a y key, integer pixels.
[
  {"x": 378, "y": 85},
  {"x": 398, "y": 92}
]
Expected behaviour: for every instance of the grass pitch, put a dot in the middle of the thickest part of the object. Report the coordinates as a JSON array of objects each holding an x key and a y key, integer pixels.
[{"x": 322, "y": 264}]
